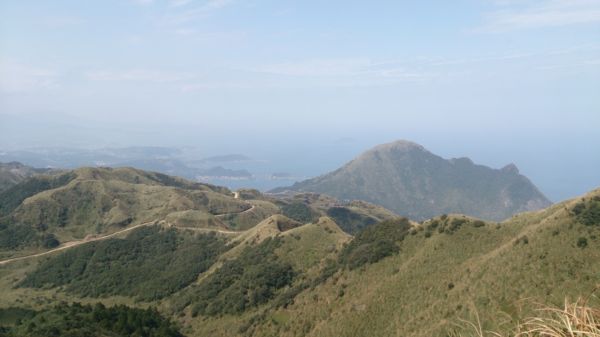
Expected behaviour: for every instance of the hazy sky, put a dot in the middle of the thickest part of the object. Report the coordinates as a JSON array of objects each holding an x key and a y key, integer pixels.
[{"x": 497, "y": 80}]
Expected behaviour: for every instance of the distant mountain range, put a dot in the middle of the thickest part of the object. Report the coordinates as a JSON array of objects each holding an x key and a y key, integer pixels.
[
  {"x": 411, "y": 181},
  {"x": 166, "y": 160}
]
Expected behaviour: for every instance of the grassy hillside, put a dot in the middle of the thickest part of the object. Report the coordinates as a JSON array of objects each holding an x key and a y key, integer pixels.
[
  {"x": 122, "y": 266},
  {"x": 45, "y": 211},
  {"x": 284, "y": 277},
  {"x": 453, "y": 269}
]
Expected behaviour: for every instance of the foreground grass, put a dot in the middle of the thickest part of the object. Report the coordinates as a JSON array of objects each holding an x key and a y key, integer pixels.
[{"x": 573, "y": 319}]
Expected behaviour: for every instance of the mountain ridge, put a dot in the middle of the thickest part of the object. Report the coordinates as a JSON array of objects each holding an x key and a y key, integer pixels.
[
  {"x": 292, "y": 271},
  {"x": 410, "y": 180}
]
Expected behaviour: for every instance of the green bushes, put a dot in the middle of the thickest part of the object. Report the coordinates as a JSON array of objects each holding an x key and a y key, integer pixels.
[
  {"x": 16, "y": 235},
  {"x": 248, "y": 281},
  {"x": 50, "y": 241},
  {"x": 478, "y": 223},
  {"x": 588, "y": 213},
  {"x": 297, "y": 211},
  {"x": 455, "y": 224},
  {"x": 374, "y": 243},
  {"x": 92, "y": 321},
  {"x": 12, "y": 198},
  {"x": 13, "y": 236},
  {"x": 368, "y": 246},
  {"x": 349, "y": 221},
  {"x": 369, "y": 253},
  {"x": 450, "y": 225},
  {"x": 149, "y": 264}
]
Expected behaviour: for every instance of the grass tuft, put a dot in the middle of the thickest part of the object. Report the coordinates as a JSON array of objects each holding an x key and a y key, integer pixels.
[{"x": 574, "y": 319}]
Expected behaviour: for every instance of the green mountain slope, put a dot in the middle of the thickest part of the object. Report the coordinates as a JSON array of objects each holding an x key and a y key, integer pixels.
[
  {"x": 174, "y": 261},
  {"x": 45, "y": 211},
  {"x": 42, "y": 212},
  {"x": 454, "y": 268},
  {"x": 411, "y": 181},
  {"x": 285, "y": 277}
]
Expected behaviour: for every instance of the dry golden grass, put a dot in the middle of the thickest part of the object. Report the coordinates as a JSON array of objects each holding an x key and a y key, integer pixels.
[{"x": 574, "y": 319}]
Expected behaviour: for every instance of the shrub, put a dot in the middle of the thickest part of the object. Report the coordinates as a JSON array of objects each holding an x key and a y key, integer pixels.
[
  {"x": 12, "y": 198},
  {"x": 478, "y": 223},
  {"x": 297, "y": 211},
  {"x": 93, "y": 321},
  {"x": 13, "y": 236},
  {"x": 248, "y": 281},
  {"x": 449, "y": 225},
  {"x": 588, "y": 213},
  {"x": 433, "y": 224},
  {"x": 374, "y": 243},
  {"x": 350, "y": 221},
  {"x": 149, "y": 264},
  {"x": 50, "y": 241},
  {"x": 455, "y": 224},
  {"x": 582, "y": 242}
]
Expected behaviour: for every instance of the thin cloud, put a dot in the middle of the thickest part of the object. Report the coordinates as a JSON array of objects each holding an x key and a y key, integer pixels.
[
  {"x": 20, "y": 78},
  {"x": 143, "y": 2},
  {"x": 61, "y": 21},
  {"x": 195, "y": 13},
  {"x": 179, "y": 3},
  {"x": 583, "y": 65},
  {"x": 142, "y": 75},
  {"x": 347, "y": 71},
  {"x": 318, "y": 67},
  {"x": 513, "y": 15}
]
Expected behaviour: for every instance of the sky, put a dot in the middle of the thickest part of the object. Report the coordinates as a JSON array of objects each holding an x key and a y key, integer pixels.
[{"x": 310, "y": 84}]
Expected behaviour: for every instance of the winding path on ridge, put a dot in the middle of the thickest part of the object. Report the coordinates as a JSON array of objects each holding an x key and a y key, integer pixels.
[
  {"x": 240, "y": 212},
  {"x": 89, "y": 239},
  {"x": 76, "y": 243}
]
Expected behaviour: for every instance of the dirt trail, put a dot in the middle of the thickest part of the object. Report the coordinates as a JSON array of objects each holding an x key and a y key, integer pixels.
[
  {"x": 76, "y": 243},
  {"x": 200, "y": 229},
  {"x": 242, "y": 212}
]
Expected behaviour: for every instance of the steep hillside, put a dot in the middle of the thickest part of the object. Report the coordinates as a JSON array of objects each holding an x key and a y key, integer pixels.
[
  {"x": 409, "y": 180},
  {"x": 451, "y": 268}
]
